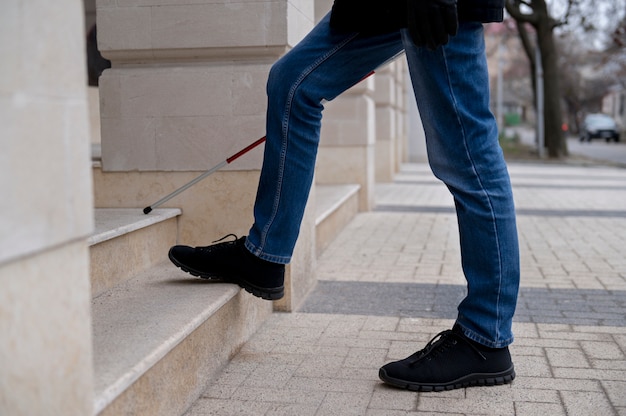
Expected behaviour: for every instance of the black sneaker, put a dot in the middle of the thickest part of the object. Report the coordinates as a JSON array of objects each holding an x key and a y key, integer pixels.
[
  {"x": 450, "y": 361},
  {"x": 231, "y": 262}
]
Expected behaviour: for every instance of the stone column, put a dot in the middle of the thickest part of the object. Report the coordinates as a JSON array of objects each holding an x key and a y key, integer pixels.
[
  {"x": 402, "y": 80},
  {"x": 385, "y": 95},
  {"x": 415, "y": 137},
  {"x": 187, "y": 90},
  {"x": 45, "y": 301},
  {"x": 347, "y": 146}
]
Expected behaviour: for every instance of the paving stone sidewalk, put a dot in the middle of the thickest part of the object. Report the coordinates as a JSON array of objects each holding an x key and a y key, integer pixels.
[{"x": 392, "y": 279}]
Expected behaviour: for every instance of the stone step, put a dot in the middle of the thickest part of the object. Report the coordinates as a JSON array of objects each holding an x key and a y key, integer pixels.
[
  {"x": 336, "y": 205},
  {"x": 126, "y": 241},
  {"x": 161, "y": 336}
]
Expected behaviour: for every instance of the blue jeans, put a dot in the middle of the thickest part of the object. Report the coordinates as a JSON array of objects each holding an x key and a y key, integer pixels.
[{"x": 451, "y": 86}]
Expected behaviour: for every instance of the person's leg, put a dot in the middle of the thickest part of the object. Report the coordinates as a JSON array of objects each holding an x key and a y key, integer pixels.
[
  {"x": 319, "y": 68},
  {"x": 452, "y": 90},
  {"x": 322, "y": 66}
]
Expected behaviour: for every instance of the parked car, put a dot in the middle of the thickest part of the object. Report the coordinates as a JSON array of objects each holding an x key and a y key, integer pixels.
[{"x": 599, "y": 126}]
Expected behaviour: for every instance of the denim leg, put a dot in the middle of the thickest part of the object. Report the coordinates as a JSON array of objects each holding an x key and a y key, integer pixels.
[
  {"x": 451, "y": 86},
  {"x": 322, "y": 66}
]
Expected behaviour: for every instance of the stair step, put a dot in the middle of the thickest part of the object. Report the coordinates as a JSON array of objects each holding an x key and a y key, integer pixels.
[
  {"x": 126, "y": 241},
  {"x": 161, "y": 336},
  {"x": 336, "y": 205}
]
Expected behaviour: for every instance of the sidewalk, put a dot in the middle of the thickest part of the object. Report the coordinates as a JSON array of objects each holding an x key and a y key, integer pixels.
[{"x": 392, "y": 280}]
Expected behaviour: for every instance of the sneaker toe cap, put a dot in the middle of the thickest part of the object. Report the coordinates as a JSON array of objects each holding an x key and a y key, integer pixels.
[{"x": 181, "y": 255}]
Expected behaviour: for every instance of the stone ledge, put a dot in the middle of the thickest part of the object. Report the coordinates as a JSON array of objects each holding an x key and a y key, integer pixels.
[
  {"x": 329, "y": 198},
  {"x": 336, "y": 206},
  {"x": 115, "y": 222},
  {"x": 138, "y": 323}
]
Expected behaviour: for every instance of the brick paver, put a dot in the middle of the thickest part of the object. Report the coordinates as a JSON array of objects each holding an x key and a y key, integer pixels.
[{"x": 392, "y": 279}]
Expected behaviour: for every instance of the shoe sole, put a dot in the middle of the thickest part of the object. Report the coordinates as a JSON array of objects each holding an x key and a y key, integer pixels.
[
  {"x": 471, "y": 380},
  {"x": 274, "y": 293}
]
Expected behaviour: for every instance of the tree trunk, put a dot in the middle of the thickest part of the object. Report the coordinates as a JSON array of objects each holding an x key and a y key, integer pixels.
[
  {"x": 544, "y": 26},
  {"x": 553, "y": 117}
]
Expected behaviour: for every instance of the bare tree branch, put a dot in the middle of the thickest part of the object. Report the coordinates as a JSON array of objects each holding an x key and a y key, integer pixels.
[
  {"x": 513, "y": 8},
  {"x": 568, "y": 12}
]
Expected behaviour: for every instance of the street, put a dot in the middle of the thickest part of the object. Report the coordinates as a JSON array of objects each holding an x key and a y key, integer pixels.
[{"x": 597, "y": 150}]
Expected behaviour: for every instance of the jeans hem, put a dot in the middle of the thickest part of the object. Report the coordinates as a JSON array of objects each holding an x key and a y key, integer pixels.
[
  {"x": 265, "y": 256},
  {"x": 482, "y": 340}
]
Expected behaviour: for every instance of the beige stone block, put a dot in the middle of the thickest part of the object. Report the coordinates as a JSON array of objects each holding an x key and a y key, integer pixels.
[
  {"x": 180, "y": 143},
  {"x": 182, "y": 118},
  {"x": 129, "y": 143},
  {"x": 322, "y": 7},
  {"x": 399, "y": 87},
  {"x": 44, "y": 120},
  {"x": 123, "y": 28},
  {"x": 10, "y": 48},
  {"x": 221, "y": 140},
  {"x": 385, "y": 162},
  {"x": 248, "y": 88},
  {"x": 366, "y": 86},
  {"x": 401, "y": 70},
  {"x": 401, "y": 141},
  {"x": 167, "y": 91},
  {"x": 229, "y": 24},
  {"x": 300, "y": 18},
  {"x": 218, "y": 205},
  {"x": 93, "y": 103},
  {"x": 349, "y": 120},
  {"x": 100, "y": 4},
  {"x": 349, "y": 165},
  {"x": 385, "y": 88},
  {"x": 44, "y": 153},
  {"x": 116, "y": 260},
  {"x": 169, "y": 29},
  {"x": 43, "y": 205},
  {"x": 386, "y": 141},
  {"x": 110, "y": 94},
  {"x": 196, "y": 106},
  {"x": 386, "y": 123},
  {"x": 45, "y": 348},
  {"x": 191, "y": 143},
  {"x": 306, "y": 7},
  {"x": 54, "y": 68}
]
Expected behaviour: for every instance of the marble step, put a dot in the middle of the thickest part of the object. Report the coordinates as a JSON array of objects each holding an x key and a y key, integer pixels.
[
  {"x": 127, "y": 241},
  {"x": 160, "y": 337}
]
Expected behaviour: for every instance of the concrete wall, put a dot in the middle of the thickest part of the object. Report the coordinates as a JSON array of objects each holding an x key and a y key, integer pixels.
[{"x": 45, "y": 325}]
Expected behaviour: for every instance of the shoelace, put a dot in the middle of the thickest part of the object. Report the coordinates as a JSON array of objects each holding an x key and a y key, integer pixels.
[
  {"x": 439, "y": 344},
  {"x": 214, "y": 246}
]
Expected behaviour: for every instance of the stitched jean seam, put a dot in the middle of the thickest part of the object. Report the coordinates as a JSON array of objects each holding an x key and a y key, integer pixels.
[
  {"x": 483, "y": 191},
  {"x": 285, "y": 132}
]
